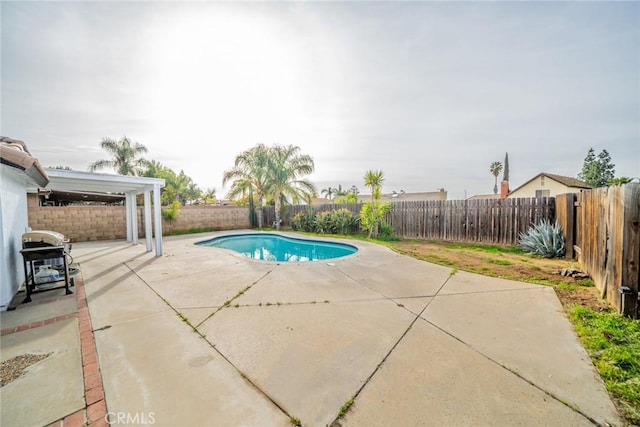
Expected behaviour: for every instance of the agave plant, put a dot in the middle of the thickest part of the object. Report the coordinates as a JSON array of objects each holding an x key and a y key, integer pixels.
[{"x": 544, "y": 239}]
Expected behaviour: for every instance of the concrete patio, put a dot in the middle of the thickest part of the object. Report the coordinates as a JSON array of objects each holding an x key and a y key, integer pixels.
[{"x": 203, "y": 336}]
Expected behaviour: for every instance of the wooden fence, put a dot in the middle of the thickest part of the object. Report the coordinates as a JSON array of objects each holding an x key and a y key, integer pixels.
[
  {"x": 490, "y": 221},
  {"x": 603, "y": 227}
]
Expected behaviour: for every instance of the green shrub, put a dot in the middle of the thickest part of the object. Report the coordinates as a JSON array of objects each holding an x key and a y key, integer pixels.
[
  {"x": 386, "y": 232},
  {"x": 344, "y": 222},
  {"x": 372, "y": 216},
  {"x": 303, "y": 221},
  {"x": 544, "y": 239},
  {"x": 340, "y": 221},
  {"x": 171, "y": 213},
  {"x": 324, "y": 223}
]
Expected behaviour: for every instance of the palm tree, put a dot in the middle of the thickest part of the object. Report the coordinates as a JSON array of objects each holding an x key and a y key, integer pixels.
[
  {"x": 495, "y": 169},
  {"x": 374, "y": 180},
  {"x": 126, "y": 156},
  {"x": 285, "y": 181},
  {"x": 329, "y": 192},
  {"x": 209, "y": 195},
  {"x": 153, "y": 169},
  {"x": 250, "y": 172},
  {"x": 193, "y": 193}
]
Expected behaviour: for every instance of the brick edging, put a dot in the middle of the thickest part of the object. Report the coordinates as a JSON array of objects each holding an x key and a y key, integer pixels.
[
  {"x": 36, "y": 324},
  {"x": 95, "y": 412}
]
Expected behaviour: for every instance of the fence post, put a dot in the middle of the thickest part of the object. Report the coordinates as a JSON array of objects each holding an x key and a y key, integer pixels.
[
  {"x": 631, "y": 247},
  {"x": 565, "y": 212}
]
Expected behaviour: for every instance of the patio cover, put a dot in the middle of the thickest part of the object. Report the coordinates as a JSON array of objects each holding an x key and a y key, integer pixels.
[{"x": 70, "y": 180}]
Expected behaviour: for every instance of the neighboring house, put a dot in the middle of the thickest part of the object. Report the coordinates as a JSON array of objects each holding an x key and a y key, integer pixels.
[
  {"x": 19, "y": 171},
  {"x": 484, "y": 197},
  {"x": 317, "y": 201},
  {"x": 548, "y": 185}
]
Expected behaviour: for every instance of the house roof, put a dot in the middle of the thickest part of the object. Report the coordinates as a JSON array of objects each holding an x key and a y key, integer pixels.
[
  {"x": 320, "y": 201},
  {"x": 14, "y": 153},
  {"x": 565, "y": 180},
  {"x": 484, "y": 197}
]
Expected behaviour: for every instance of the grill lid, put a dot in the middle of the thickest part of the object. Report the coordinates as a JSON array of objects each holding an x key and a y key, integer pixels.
[{"x": 44, "y": 237}]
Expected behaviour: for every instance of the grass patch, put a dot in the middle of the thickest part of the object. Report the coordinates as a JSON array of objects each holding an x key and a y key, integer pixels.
[
  {"x": 437, "y": 259},
  {"x": 492, "y": 249},
  {"x": 613, "y": 342},
  {"x": 498, "y": 261},
  {"x": 345, "y": 408},
  {"x": 588, "y": 283}
]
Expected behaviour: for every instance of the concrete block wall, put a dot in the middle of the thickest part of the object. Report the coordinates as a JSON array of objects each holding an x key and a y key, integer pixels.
[
  {"x": 217, "y": 217},
  {"x": 82, "y": 223}
]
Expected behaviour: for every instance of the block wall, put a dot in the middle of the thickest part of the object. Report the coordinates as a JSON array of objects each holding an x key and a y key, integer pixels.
[{"x": 84, "y": 223}]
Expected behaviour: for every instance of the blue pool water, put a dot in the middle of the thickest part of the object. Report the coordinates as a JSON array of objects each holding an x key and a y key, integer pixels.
[{"x": 274, "y": 247}]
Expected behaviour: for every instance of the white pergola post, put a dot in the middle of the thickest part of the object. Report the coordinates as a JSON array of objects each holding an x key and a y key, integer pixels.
[
  {"x": 147, "y": 220},
  {"x": 127, "y": 210},
  {"x": 134, "y": 217},
  {"x": 157, "y": 220}
]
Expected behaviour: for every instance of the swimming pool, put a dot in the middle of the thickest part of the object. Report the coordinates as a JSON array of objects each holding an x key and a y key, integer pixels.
[{"x": 275, "y": 247}]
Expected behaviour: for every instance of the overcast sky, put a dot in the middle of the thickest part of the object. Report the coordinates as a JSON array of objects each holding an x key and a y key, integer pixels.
[{"x": 428, "y": 92}]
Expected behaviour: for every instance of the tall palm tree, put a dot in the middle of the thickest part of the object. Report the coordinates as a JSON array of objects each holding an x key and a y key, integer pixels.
[
  {"x": 374, "y": 180},
  {"x": 329, "y": 192},
  {"x": 287, "y": 167},
  {"x": 183, "y": 188},
  {"x": 193, "y": 192},
  {"x": 126, "y": 156},
  {"x": 495, "y": 169},
  {"x": 250, "y": 172}
]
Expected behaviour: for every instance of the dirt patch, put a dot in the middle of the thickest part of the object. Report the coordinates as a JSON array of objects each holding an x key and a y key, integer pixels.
[{"x": 508, "y": 263}]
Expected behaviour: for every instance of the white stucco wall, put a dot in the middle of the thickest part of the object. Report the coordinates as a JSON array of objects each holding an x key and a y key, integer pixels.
[
  {"x": 14, "y": 221},
  {"x": 529, "y": 189}
]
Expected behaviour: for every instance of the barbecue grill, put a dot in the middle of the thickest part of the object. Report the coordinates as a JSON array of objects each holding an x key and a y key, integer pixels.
[{"x": 45, "y": 261}]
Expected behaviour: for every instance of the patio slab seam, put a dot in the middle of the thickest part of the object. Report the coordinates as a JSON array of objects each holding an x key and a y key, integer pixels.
[
  {"x": 144, "y": 316},
  {"x": 391, "y": 350},
  {"x": 228, "y": 302},
  {"x": 394, "y": 298},
  {"x": 533, "y": 287},
  {"x": 203, "y": 337},
  {"x": 513, "y": 372}
]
